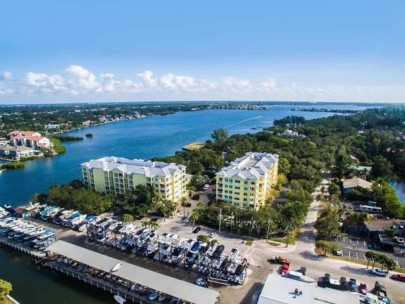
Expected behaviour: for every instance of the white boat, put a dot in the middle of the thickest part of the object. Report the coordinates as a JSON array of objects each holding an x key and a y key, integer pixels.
[
  {"x": 116, "y": 267},
  {"x": 119, "y": 299}
]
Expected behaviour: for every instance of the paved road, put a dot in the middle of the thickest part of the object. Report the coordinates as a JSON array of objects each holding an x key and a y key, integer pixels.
[{"x": 306, "y": 240}]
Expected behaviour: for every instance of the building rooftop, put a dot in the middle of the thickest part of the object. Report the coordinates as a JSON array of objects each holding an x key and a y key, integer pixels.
[
  {"x": 168, "y": 285},
  {"x": 251, "y": 166},
  {"x": 356, "y": 182},
  {"x": 381, "y": 225},
  {"x": 16, "y": 149},
  {"x": 281, "y": 290},
  {"x": 135, "y": 166}
]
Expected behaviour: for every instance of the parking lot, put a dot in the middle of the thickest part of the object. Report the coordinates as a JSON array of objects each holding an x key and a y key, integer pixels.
[{"x": 356, "y": 248}]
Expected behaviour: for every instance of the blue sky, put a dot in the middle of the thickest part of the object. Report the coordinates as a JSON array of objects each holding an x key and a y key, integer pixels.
[{"x": 60, "y": 51}]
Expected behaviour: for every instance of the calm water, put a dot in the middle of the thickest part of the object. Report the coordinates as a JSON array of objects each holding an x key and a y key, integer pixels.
[
  {"x": 142, "y": 138},
  {"x": 400, "y": 190}
]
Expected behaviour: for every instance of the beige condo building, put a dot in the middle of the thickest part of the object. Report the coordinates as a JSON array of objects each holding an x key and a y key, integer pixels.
[
  {"x": 121, "y": 175},
  {"x": 247, "y": 181}
]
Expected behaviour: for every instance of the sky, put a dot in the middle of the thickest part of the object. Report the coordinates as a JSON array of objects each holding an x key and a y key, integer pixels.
[{"x": 103, "y": 51}]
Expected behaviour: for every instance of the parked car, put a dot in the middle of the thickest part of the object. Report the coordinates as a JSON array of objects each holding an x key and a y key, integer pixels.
[
  {"x": 212, "y": 234},
  {"x": 363, "y": 288},
  {"x": 353, "y": 285},
  {"x": 285, "y": 269},
  {"x": 379, "y": 272},
  {"x": 206, "y": 187},
  {"x": 398, "y": 277},
  {"x": 338, "y": 252},
  {"x": 197, "y": 229}
]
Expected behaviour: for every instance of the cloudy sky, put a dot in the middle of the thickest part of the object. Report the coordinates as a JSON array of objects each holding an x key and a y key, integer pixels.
[{"x": 90, "y": 51}]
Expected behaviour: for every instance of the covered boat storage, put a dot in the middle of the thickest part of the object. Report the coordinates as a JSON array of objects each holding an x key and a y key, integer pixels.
[{"x": 150, "y": 279}]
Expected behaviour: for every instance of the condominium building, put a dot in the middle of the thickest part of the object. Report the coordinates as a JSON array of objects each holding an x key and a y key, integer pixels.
[
  {"x": 247, "y": 181},
  {"x": 121, "y": 175}
]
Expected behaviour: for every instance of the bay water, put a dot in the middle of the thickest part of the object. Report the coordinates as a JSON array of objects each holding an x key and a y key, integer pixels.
[{"x": 144, "y": 138}]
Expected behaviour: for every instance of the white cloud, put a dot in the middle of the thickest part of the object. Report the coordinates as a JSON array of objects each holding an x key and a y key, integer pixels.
[
  {"x": 5, "y": 76},
  {"x": 82, "y": 79},
  {"x": 76, "y": 83},
  {"x": 147, "y": 78}
]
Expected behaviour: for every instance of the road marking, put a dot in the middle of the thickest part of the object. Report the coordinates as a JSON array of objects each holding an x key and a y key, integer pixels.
[
  {"x": 357, "y": 257},
  {"x": 349, "y": 254},
  {"x": 365, "y": 244},
  {"x": 364, "y": 257},
  {"x": 350, "y": 239},
  {"x": 357, "y": 241}
]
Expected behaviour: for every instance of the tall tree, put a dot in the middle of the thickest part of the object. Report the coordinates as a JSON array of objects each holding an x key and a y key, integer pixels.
[{"x": 219, "y": 135}]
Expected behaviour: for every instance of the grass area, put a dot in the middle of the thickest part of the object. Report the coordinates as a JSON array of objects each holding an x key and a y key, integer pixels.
[
  {"x": 57, "y": 146},
  {"x": 273, "y": 243},
  {"x": 249, "y": 242},
  {"x": 288, "y": 239},
  {"x": 14, "y": 165},
  {"x": 362, "y": 262}
]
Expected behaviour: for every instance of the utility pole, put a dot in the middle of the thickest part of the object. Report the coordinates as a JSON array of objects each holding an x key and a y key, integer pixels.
[
  {"x": 220, "y": 218},
  {"x": 231, "y": 222},
  {"x": 268, "y": 229}
]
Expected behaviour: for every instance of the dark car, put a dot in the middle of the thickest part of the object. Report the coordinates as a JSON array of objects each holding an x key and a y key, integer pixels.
[
  {"x": 197, "y": 229},
  {"x": 398, "y": 277},
  {"x": 343, "y": 282},
  {"x": 353, "y": 285},
  {"x": 154, "y": 219},
  {"x": 217, "y": 253}
]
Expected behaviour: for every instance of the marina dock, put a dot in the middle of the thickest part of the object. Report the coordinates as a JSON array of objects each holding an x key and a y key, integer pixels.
[
  {"x": 119, "y": 280},
  {"x": 22, "y": 248},
  {"x": 193, "y": 146}
]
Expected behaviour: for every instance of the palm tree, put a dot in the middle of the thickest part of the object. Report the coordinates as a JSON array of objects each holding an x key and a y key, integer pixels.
[
  {"x": 391, "y": 264},
  {"x": 369, "y": 256},
  {"x": 379, "y": 258},
  {"x": 154, "y": 225},
  {"x": 194, "y": 217}
]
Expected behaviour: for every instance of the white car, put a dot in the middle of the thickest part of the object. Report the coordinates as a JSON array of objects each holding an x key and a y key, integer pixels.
[
  {"x": 379, "y": 272},
  {"x": 212, "y": 234},
  {"x": 206, "y": 187}
]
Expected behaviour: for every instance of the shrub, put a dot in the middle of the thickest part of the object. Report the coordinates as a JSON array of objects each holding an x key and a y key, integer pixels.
[{"x": 127, "y": 218}]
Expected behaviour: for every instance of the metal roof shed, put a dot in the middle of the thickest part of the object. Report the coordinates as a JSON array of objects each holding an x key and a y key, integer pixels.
[{"x": 168, "y": 285}]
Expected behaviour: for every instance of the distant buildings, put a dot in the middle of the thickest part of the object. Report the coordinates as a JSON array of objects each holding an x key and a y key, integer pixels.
[
  {"x": 52, "y": 127},
  {"x": 29, "y": 139},
  {"x": 350, "y": 184},
  {"x": 290, "y": 133},
  {"x": 121, "y": 175},
  {"x": 247, "y": 181}
]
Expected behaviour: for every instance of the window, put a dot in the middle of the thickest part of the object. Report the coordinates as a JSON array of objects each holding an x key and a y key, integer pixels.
[{"x": 237, "y": 181}]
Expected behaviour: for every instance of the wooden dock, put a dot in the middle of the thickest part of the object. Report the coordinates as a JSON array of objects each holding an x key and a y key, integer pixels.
[
  {"x": 23, "y": 248},
  {"x": 107, "y": 286},
  {"x": 193, "y": 146}
]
